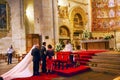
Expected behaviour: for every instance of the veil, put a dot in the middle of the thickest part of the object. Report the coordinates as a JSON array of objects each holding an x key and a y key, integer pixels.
[{"x": 22, "y": 69}]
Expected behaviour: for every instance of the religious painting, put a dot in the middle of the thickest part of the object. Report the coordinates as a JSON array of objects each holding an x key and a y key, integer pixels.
[
  {"x": 111, "y": 3},
  {"x": 3, "y": 16}
]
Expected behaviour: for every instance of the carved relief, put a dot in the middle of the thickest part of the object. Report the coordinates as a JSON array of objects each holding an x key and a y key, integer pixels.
[
  {"x": 107, "y": 18},
  {"x": 111, "y": 3},
  {"x": 63, "y": 12}
]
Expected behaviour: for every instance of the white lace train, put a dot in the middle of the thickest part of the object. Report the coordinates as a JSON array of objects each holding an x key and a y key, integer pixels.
[{"x": 22, "y": 69}]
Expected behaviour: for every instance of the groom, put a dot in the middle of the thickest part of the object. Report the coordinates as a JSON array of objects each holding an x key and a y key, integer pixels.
[
  {"x": 1, "y": 78},
  {"x": 36, "y": 59}
]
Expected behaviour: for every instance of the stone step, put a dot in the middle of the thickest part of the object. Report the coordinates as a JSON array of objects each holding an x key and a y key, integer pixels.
[
  {"x": 107, "y": 70},
  {"x": 106, "y": 58},
  {"x": 109, "y": 54},
  {"x": 105, "y": 61},
  {"x": 102, "y": 65}
]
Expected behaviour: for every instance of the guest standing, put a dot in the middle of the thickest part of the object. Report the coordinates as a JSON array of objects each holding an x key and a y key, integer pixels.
[
  {"x": 43, "y": 55},
  {"x": 36, "y": 60},
  {"x": 49, "y": 54},
  {"x": 10, "y": 52}
]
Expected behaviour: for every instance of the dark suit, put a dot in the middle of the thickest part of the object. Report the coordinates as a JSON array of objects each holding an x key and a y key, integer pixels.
[
  {"x": 36, "y": 59},
  {"x": 43, "y": 55}
]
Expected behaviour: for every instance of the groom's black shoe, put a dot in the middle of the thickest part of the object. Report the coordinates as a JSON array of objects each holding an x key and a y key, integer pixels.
[
  {"x": 36, "y": 74},
  {"x": 1, "y": 78}
]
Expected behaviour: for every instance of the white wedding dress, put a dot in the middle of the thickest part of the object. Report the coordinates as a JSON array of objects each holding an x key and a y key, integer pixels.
[{"x": 22, "y": 69}]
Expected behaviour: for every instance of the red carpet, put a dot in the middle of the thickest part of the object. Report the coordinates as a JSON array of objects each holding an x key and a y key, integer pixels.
[
  {"x": 86, "y": 55},
  {"x": 41, "y": 77},
  {"x": 72, "y": 71}
]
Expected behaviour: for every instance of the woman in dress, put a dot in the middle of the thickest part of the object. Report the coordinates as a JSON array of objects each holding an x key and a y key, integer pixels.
[{"x": 49, "y": 54}]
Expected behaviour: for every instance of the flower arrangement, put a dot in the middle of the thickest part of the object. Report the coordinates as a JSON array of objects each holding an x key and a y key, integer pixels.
[
  {"x": 86, "y": 34},
  {"x": 107, "y": 37},
  {"x": 58, "y": 47}
]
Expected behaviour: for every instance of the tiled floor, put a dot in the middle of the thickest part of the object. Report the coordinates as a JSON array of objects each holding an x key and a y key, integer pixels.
[
  {"x": 4, "y": 67},
  {"x": 90, "y": 75}
]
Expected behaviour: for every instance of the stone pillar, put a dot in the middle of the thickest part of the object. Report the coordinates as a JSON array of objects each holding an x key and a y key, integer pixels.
[
  {"x": 17, "y": 25},
  {"x": 45, "y": 19}
]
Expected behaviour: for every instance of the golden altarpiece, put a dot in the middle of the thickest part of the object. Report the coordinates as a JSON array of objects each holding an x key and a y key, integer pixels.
[
  {"x": 105, "y": 15},
  {"x": 77, "y": 21},
  {"x": 105, "y": 18}
]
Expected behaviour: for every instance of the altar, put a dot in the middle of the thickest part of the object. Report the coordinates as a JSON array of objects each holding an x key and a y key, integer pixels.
[{"x": 95, "y": 44}]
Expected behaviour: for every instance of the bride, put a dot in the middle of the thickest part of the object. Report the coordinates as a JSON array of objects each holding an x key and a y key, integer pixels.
[{"x": 22, "y": 69}]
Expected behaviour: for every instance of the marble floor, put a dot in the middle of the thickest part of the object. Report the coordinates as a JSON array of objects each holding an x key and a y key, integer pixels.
[{"x": 90, "y": 75}]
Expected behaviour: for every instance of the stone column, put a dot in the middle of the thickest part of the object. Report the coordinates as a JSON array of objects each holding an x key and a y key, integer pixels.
[
  {"x": 45, "y": 19},
  {"x": 17, "y": 25}
]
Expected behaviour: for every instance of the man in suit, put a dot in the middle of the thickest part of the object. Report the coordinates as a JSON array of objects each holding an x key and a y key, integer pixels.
[
  {"x": 36, "y": 60},
  {"x": 1, "y": 78},
  {"x": 43, "y": 55}
]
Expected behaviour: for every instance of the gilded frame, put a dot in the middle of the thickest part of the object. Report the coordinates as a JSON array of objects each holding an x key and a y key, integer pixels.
[{"x": 4, "y": 21}]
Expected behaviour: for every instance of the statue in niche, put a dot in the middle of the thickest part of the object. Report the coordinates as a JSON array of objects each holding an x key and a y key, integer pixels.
[
  {"x": 99, "y": 24},
  {"x": 112, "y": 23},
  {"x": 117, "y": 23},
  {"x": 98, "y": 4},
  {"x": 118, "y": 12},
  {"x": 111, "y": 13},
  {"x": 63, "y": 32},
  {"x": 111, "y": 3},
  {"x": 105, "y": 15},
  {"x": 78, "y": 20},
  {"x": 105, "y": 3},
  {"x": 100, "y": 14},
  {"x": 105, "y": 24}
]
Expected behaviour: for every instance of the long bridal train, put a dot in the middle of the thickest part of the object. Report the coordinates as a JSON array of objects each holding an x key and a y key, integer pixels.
[{"x": 22, "y": 69}]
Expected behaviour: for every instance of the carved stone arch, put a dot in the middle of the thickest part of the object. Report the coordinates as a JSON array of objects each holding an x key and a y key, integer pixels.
[
  {"x": 64, "y": 31},
  {"x": 78, "y": 10}
]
